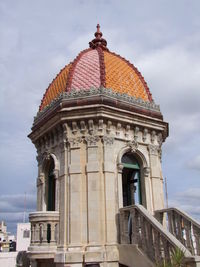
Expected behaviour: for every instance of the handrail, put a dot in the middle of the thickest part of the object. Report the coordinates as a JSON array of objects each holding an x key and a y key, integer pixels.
[
  {"x": 182, "y": 226},
  {"x": 138, "y": 226}
]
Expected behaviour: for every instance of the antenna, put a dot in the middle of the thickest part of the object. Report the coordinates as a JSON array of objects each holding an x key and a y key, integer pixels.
[
  {"x": 166, "y": 193},
  {"x": 24, "y": 219}
]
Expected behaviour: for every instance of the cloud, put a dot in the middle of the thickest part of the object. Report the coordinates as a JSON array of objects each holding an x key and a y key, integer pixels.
[
  {"x": 15, "y": 208},
  {"x": 188, "y": 201},
  {"x": 195, "y": 163}
]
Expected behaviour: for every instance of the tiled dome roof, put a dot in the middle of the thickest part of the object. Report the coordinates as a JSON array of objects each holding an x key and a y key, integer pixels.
[{"x": 96, "y": 67}]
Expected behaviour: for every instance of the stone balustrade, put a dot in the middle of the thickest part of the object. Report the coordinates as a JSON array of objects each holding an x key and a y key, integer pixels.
[
  {"x": 182, "y": 226},
  {"x": 44, "y": 228},
  {"x": 139, "y": 227}
]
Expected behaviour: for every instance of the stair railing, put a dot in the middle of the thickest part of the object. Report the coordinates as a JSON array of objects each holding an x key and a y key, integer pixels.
[
  {"x": 139, "y": 227},
  {"x": 182, "y": 226}
]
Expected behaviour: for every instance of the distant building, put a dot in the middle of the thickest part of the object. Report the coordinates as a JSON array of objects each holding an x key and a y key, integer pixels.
[
  {"x": 7, "y": 241},
  {"x": 23, "y": 236}
]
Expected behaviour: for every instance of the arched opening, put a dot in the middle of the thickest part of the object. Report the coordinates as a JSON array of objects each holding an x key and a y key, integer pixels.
[
  {"x": 50, "y": 186},
  {"x": 131, "y": 182}
]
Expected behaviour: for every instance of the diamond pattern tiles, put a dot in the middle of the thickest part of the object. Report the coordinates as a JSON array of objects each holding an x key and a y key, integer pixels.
[
  {"x": 96, "y": 67},
  {"x": 87, "y": 71},
  {"x": 57, "y": 86},
  {"x": 122, "y": 78}
]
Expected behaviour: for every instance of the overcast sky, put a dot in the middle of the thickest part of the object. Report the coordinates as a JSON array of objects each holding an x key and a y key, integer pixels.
[{"x": 37, "y": 38}]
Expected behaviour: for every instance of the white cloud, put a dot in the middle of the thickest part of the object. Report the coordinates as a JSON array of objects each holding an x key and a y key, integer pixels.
[{"x": 195, "y": 163}]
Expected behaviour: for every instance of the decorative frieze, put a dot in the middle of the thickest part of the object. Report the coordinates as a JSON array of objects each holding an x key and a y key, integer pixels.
[
  {"x": 108, "y": 140},
  {"x": 153, "y": 149},
  {"x": 92, "y": 140},
  {"x": 75, "y": 142}
]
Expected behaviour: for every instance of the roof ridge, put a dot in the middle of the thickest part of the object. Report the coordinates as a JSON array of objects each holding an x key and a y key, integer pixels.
[
  {"x": 72, "y": 68},
  {"x": 101, "y": 66}
]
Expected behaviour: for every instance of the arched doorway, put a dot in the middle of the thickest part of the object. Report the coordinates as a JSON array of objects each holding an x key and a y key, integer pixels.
[
  {"x": 131, "y": 182},
  {"x": 50, "y": 186}
]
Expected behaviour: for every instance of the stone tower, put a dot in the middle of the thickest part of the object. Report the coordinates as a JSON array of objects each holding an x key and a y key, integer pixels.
[{"x": 98, "y": 135}]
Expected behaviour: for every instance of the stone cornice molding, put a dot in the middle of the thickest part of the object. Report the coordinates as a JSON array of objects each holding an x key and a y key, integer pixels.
[{"x": 74, "y": 94}]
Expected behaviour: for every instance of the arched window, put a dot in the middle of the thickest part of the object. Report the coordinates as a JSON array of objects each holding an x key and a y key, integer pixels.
[
  {"x": 50, "y": 186},
  {"x": 131, "y": 184}
]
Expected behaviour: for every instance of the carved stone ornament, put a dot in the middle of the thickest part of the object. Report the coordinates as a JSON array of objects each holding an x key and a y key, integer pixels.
[
  {"x": 145, "y": 132},
  {"x": 83, "y": 127},
  {"x": 92, "y": 140},
  {"x": 118, "y": 128},
  {"x": 75, "y": 142},
  {"x": 40, "y": 180},
  {"x": 136, "y": 132},
  {"x": 46, "y": 155},
  {"x": 133, "y": 145},
  {"x": 153, "y": 136},
  {"x": 153, "y": 149},
  {"x": 120, "y": 167},
  {"x": 146, "y": 171},
  {"x": 108, "y": 140}
]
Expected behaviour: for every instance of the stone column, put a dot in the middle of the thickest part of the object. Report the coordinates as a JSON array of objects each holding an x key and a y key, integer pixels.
[
  {"x": 156, "y": 177},
  {"x": 109, "y": 168},
  {"x": 61, "y": 196},
  {"x": 95, "y": 191},
  {"x": 75, "y": 191},
  {"x": 40, "y": 193}
]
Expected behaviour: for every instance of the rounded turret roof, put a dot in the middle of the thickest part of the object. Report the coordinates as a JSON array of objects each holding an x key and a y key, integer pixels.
[{"x": 98, "y": 67}]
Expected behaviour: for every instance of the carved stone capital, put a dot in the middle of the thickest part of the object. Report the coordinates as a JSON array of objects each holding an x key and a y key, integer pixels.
[
  {"x": 46, "y": 155},
  {"x": 55, "y": 173},
  {"x": 153, "y": 149},
  {"x": 108, "y": 140},
  {"x": 40, "y": 180},
  {"x": 146, "y": 171},
  {"x": 120, "y": 167},
  {"x": 75, "y": 142},
  {"x": 92, "y": 140},
  {"x": 133, "y": 145}
]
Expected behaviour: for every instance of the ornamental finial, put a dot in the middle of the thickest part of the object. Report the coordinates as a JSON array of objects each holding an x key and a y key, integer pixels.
[{"x": 98, "y": 41}]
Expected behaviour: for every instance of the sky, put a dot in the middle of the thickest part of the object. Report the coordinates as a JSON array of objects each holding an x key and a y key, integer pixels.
[{"x": 38, "y": 38}]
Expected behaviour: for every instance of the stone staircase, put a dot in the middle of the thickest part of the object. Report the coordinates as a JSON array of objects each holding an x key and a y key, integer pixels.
[{"x": 153, "y": 239}]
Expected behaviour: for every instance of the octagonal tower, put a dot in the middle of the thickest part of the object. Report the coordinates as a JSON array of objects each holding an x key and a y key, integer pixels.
[{"x": 98, "y": 135}]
